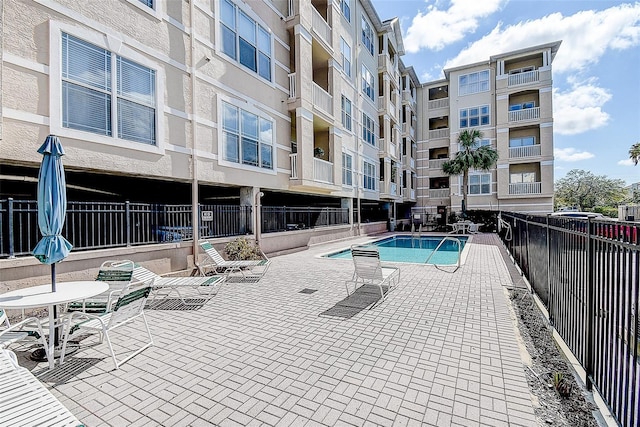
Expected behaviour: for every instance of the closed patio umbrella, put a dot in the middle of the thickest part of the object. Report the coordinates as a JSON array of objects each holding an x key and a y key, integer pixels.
[{"x": 52, "y": 209}]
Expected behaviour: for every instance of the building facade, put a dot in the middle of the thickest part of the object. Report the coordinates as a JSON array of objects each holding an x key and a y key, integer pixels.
[{"x": 222, "y": 101}]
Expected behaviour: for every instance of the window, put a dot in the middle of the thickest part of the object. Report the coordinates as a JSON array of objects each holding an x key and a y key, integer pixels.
[
  {"x": 367, "y": 35},
  {"x": 345, "y": 51},
  {"x": 480, "y": 183},
  {"x": 347, "y": 170},
  {"x": 522, "y": 142},
  {"x": 244, "y": 40},
  {"x": 522, "y": 70},
  {"x": 346, "y": 9},
  {"x": 473, "y": 83},
  {"x": 523, "y": 106},
  {"x": 474, "y": 116},
  {"x": 484, "y": 142},
  {"x": 368, "y": 130},
  {"x": 247, "y": 138},
  {"x": 148, "y": 3},
  {"x": 346, "y": 113},
  {"x": 88, "y": 73},
  {"x": 369, "y": 174},
  {"x": 522, "y": 177},
  {"x": 367, "y": 83}
]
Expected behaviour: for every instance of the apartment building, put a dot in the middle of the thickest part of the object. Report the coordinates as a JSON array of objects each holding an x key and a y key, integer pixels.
[
  {"x": 227, "y": 101},
  {"x": 508, "y": 99}
]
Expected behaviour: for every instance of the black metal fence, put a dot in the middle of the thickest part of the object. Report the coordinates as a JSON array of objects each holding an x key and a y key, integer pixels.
[
  {"x": 587, "y": 274},
  {"x": 282, "y": 218},
  {"x": 97, "y": 225}
]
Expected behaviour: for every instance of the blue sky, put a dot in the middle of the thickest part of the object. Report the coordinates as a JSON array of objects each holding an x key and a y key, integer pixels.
[{"x": 596, "y": 73}]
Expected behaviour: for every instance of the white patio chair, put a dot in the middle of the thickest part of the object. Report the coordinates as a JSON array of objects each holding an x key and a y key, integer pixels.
[
  {"x": 128, "y": 308},
  {"x": 205, "y": 287},
  {"x": 27, "y": 330},
  {"x": 369, "y": 271},
  {"x": 249, "y": 269}
]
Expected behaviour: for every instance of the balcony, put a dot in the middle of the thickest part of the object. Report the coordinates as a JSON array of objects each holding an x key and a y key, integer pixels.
[
  {"x": 524, "y": 78},
  {"x": 321, "y": 27},
  {"x": 322, "y": 99},
  {"x": 293, "y": 92},
  {"x": 322, "y": 170},
  {"x": 523, "y": 115},
  {"x": 386, "y": 106},
  {"x": 439, "y": 193},
  {"x": 393, "y": 151},
  {"x": 294, "y": 165},
  {"x": 526, "y": 151},
  {"x": 386, "y": 64},
  {"x": 521, "y": 188},
  {"x": 389, "y": 188},
  {"x": 439, "y": 103},
  {"x": 439, "y": 133},
  {"x": 437, "y": 163},
  {"x": 407, "y": 96},
  {"x": 409, "y": 193}
]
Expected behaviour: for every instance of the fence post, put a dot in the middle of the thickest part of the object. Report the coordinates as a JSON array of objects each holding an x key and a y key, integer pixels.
[
  {"x": 127, "y": 220},
  {"x": 11, "y": 234},
  {"x": 590, "y": 323}
]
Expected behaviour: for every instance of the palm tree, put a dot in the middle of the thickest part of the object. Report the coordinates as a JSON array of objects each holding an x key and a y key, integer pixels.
[
  {"x": 634, "y": 153},
  {"x": 469, "y": 157}
]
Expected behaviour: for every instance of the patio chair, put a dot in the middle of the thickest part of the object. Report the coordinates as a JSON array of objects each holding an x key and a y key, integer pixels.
[
  {"x": 118, "y": 274},
  {"x": 206, "y": 287},
  {"x": 369, "y": 271},
  {"x": 251, "y": 270},
  {"x": 27, "y": 330},
  {"x": 128, "y": 308}
]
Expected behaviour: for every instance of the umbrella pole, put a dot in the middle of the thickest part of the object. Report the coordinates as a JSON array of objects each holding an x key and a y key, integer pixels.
[{"x": 54, "y": 339}]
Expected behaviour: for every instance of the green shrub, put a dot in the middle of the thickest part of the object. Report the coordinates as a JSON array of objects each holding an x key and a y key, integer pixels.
[
  {"x": 242, "y": 249},
  {"x": 607, "y": 211}
]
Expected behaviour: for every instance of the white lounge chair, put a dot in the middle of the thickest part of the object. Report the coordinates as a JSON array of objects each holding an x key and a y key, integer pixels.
[
  {"x": 252, "y": 270},
  {"x": 206, "y": 287},
  {"x": 128, "y": 308},
  {"x": 27, "y": 330},
  {"x": 369, "y": 271},
  {"x": 118, "y": 274}
]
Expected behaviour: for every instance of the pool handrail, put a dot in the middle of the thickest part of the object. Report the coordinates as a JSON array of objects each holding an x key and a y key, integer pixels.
[{"x": 445, "y": 238}]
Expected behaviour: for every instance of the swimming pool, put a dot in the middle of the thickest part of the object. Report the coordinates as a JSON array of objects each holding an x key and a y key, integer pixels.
[{"x": 413, "y": 250}]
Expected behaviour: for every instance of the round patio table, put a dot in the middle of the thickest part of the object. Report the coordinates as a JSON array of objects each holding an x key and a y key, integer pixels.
[{"x": 41, "y": 296}]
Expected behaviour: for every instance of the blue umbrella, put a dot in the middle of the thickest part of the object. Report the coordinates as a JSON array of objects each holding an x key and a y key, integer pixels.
[{"x": 52, "y": 209}]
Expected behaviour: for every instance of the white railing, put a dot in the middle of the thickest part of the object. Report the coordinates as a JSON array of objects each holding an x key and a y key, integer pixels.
[
  {"x": 524, "y": 78},
  {"x": 412, "y": 163},
  {"x": 526, "y": 151},
  {"x": 407, "y": 96},
  {"x": 381, "y": 100},
  {"x": 439, "y": 193},
  {"x": 408, "y": 193},
  {"x": 436, "y": 164},
  {"x": 526, "y": 114},
  {"x": 322, "y": 170},
  {"x": 393, "y": 188},
  {"x": 294, "y": 165},
  {"x": 525, "y": 188},
  {"x": 412, "y": 132},
  {"x": 439, "y": 133},
  {"x": 293, "y": 93},
  {"x": 321, "y": 27},
  {"x": 439, "y": 103},
  {"x": 291, "y": 9},
  {"x": 392, "y": 150},
  {"x": 322, "y": 99}
]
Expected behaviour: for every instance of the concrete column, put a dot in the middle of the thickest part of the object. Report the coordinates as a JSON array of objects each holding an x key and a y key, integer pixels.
[
  {"x": 335, "y": 153},
  {"x": 347, "y": 203},
  {"x": 305, "y": 139},
  {"x": 246, "y": 199}
]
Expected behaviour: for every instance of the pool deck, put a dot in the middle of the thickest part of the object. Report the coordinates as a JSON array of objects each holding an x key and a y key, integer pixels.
[{"x": 440, "y": 350}]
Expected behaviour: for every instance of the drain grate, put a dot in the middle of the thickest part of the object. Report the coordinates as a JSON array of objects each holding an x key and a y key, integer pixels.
[{"x": 308, "y": 291}]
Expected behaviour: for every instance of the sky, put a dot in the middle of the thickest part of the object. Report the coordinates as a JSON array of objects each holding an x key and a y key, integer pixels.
[{"x": 596, "y": 72}]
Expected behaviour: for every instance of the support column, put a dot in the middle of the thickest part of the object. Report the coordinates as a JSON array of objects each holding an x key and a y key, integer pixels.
[
  {"x": 335, "y": 153},
  {"x": 246, "y": 199}
]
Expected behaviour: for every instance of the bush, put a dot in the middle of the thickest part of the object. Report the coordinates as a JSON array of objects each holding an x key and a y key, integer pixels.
[
  {"x": 606, "y": 211},
  {"x": 242, "y": 249}
]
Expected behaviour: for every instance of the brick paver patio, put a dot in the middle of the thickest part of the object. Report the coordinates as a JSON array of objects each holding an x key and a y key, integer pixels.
[{"x": 440, "y": 350}]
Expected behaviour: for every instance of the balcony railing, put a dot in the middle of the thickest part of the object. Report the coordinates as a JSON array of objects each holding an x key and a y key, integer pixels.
[
  {"x": 439, "y": 133},
  {"x": 291, "y": 8},
  {"x": 524, "y": 78},
  {"x": 409, "y": 193},
  {"x": 526, "y": 151},
  {"x": 294, "y": 165},
  {"x": 440, "y": 193},
  {"x": 322, "y": 170},
  {"x": 322, "y": 99},
  {"x": 393, "y": 151},
  {"x": 436, "y": 164},
  {"x": 439, "y": 103},
  {"x": 321, "y": 27},
  {"x": 293, "y": 92},
  {"x": 525, "y": 188},
  {"x": 407, "y": 96},
  {"x": 286, "y": 218},
  {"x": 526, "y": 114}
]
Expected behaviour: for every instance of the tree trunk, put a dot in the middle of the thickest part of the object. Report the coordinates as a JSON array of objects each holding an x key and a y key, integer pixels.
[{"x": 465, "y": 185}]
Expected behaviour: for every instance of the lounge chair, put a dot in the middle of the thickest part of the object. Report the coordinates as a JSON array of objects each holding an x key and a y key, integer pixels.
[
  {"x": 118, "y": 274},
  {"x": 27, "y": 330},
  {"x": 251, "y": 270},
  {"x": 206, "y": 287},
  {"x": 128, "y": 308},
  {"x": 369, "y": 271}
]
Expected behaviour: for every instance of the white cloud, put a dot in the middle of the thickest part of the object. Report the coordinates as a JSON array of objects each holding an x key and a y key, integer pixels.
[
  {"x": 579, "y": 109},
  {"x": 626, "y": 162},
  {"x": 586, "y": 36},
  {"x": 437, "y": 28},
  {"x": 571, "y": 154}
]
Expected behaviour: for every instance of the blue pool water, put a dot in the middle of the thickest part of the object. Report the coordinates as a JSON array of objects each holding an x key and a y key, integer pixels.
[{"x": 413, "y": 250}]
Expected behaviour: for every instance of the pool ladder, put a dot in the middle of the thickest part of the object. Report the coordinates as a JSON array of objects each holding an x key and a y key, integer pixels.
[{"x": 457, "y": 242}]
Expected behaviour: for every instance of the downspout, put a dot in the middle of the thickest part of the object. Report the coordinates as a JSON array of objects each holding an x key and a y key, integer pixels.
[{"x": 195, "y": 214}]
